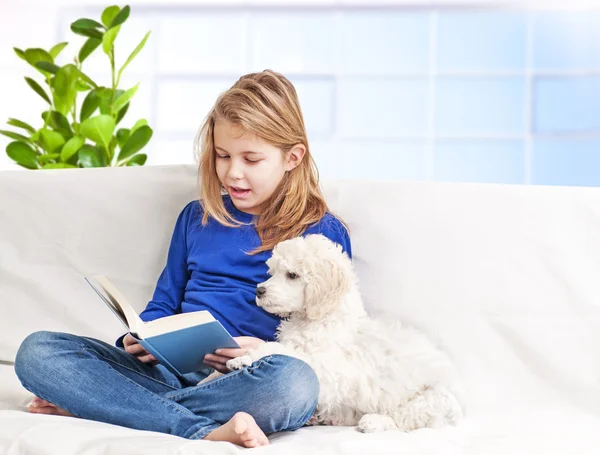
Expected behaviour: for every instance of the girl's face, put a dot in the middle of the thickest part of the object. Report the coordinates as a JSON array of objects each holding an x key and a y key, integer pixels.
[{"x": 248, "y": 167}]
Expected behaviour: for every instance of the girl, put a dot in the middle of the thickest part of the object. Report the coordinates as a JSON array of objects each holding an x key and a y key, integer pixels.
[{"x": 259, "y": 186}]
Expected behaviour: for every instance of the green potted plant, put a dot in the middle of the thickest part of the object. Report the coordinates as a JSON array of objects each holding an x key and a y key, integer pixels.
[{"x": 88, "y": 135}]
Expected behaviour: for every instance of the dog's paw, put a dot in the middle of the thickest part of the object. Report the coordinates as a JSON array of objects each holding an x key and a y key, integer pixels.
[
  {"x": 313, "y": 421},
  {"x": 371, "y": 423},
  {"x": 239, "y": 362}
]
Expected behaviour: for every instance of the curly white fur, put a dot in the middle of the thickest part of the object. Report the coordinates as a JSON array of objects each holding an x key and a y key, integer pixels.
[{"x": 376, "y": 375}]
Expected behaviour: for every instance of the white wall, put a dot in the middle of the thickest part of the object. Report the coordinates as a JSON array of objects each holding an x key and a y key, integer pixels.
[{"x": 357, "y": 94}]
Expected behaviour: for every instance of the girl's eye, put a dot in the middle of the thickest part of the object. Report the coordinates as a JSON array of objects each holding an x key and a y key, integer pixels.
[
  {"x": 292, "y": 275},
  {"x": 222, "y": 157},
  {"x": 252, "y": 161}
]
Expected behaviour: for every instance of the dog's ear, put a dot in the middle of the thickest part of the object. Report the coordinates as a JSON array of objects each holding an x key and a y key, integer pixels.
[{"x": 326, "y": 286}]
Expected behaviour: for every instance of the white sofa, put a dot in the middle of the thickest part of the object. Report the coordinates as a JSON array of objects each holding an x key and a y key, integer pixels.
[{"x": 506, "y": 278}]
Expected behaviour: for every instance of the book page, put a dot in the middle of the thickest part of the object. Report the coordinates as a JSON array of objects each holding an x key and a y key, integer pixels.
[
  {"x": 176, "y": 322},
  {"x": 118, "y": 300},
  {"x": 118, "y": 312}
]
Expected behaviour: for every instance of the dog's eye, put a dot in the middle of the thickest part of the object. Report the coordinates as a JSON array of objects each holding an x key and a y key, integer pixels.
[{"x": 291, "y": 275}]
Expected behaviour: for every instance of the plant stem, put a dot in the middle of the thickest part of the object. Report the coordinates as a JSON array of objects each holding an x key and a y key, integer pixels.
[
  {"x": 51, "y": 103},
  {"x": 39, "y": 148},
  {"x": 114, "y": 82},
  {"x": 74, "y": 114}
]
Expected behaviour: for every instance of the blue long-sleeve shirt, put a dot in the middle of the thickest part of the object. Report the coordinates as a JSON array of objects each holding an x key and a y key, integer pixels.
[{"x": 208, "y": 268}]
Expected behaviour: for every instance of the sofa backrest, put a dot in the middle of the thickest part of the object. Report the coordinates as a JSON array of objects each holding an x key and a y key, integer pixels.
[{"x": 505, "y": 278}]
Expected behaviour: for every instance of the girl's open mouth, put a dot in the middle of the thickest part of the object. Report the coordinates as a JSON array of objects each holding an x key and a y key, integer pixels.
[{"x": 238, "y": 193}]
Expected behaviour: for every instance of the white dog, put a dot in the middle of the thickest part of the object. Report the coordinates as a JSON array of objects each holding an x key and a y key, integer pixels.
[{"x": 374, "y": 375}]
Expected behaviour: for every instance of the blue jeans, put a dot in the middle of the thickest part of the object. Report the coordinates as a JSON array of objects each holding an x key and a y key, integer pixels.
[{"x": 95, "y": 380}]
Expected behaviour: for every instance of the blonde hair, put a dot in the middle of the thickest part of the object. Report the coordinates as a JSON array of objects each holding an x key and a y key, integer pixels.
[{"x": 265, "y": 104}]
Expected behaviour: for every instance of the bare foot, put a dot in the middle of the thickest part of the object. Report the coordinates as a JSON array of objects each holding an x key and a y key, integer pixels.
[
  {"x": 241, "y": 430},
  {"x": 39, "y": 406}
]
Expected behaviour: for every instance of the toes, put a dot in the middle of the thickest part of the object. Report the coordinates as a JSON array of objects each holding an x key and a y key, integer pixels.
[
  {"x": 64, "y": 412},
  {"x": 43, "y": 410},
  {"x": 38, "y": 402},
  {"x": 251, "y": 443},
  {"x": 240, "y": 427},
  {"x": 49, "y": 410},
  {"x": 249, "y": 440}
]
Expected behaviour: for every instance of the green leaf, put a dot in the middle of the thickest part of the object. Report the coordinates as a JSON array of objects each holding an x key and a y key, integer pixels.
[
  {"x": 135, "y": 143},
  {"x": 65, "y": 88},
  {"x": 44, "y": 159},
  {"x": 87, "y": 23},
  {"x": 140, "y": 122},
  {"x": 58, "y": 166},
  {"x": 122, "y": 136},
  {"x": 122, "y": 113},
  {"x": 85, "y": 77},
  {"x": 50, "y": 140},
  {"x": 98, "y": 129},
  {"x": 87, "y": 27},
  {"x": 23, "y": 154},
  {"x": 124, "y": 98},
  {"x": 121, "y": 17},
  {"x": 57, "y": 49},
  {"x": 89, "y": 32},
  {"x": 106, "y": 98},
  {"x": 58, "y": 122},
  {"x": 47, "y": 67},
  {"x": 15, "y": 136},
  {"x": 20, "y": 124},
  {"x": 39, "y": 90},
  {"x": 71, "y": 148},
  {"x": 138, "y": 160},
  {"x": 90, "y": 156},
  {"x": 88, "y": 47},
  {"x": 109, "y": 14},
  {"x": 82, "y": 86},
  {"x": 89, "y": 105},
  {"x": 111, "y": 148},
  {"x": 34, "y": 55},
  {"x": 109, "y": 38},
  {"x": 135, "y": 52},
  {"x": 20, "y": 53}
]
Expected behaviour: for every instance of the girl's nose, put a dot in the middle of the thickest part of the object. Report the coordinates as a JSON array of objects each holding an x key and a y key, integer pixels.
[{"x": 235, "y": 172}]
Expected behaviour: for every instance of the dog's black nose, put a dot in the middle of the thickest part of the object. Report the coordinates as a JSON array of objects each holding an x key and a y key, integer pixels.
[{"x": 261, "y": 291}]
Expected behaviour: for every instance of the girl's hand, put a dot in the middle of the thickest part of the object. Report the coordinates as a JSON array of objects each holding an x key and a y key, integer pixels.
[
  {"x": 221, "y": 356},
  {"x": 135, "y": 348}
]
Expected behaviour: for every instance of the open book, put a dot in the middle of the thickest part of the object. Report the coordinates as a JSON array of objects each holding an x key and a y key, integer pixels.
[{"x": 179, "y": 342}]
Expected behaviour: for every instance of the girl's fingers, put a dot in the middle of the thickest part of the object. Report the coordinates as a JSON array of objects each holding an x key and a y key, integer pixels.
[
  {"x": 135, "y": 349},
  {"x": 220, "y": 367},
  {"x": 129, "y": 340},
  {"x": 147, "y": 358},
  {"x": 231, "y": 353},
  {"x": 217, "y": 358}
]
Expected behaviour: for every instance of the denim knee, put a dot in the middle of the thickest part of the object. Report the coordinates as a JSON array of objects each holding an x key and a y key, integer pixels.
[
  {"x": 294, "y": 386},
  {"x": 33, "y": 352}
]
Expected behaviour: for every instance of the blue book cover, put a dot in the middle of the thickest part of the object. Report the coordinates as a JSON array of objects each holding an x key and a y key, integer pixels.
[
  {"x": 179, "y": 342},
  {"x": 182, "y": 351}
]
